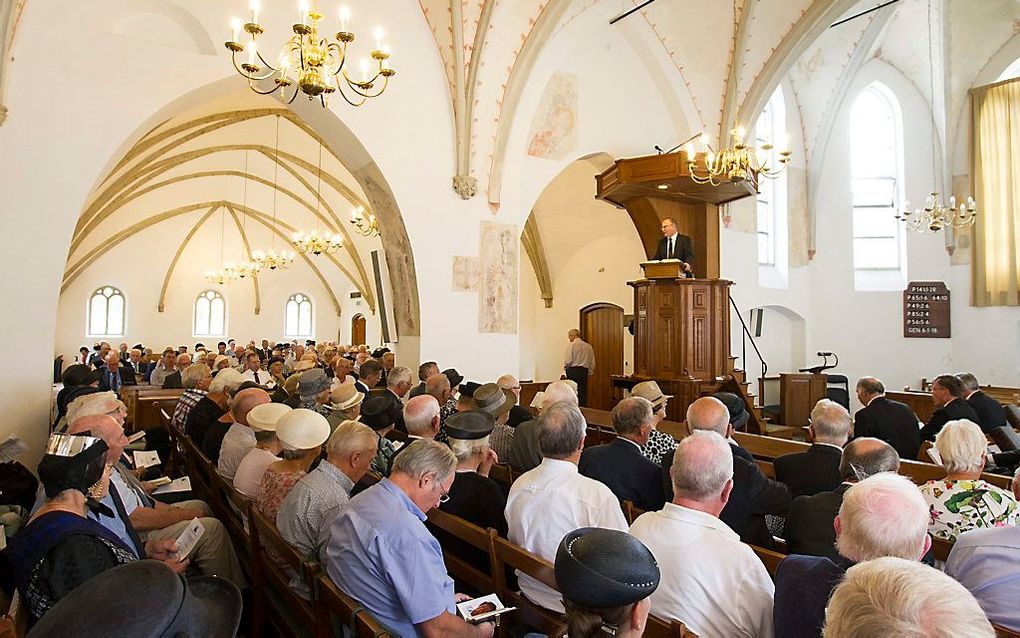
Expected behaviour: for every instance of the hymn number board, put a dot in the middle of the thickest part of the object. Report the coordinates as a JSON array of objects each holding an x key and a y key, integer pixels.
[{"x": 926, "y": 310}]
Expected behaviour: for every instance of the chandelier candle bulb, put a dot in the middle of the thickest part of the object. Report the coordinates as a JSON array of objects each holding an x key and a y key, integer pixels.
[
  {"x": 345, "y": 17},
  {"x": 255, "y": 7},
  {"x": 303, "y": 10},
  {"x": 235, "y": 29}
]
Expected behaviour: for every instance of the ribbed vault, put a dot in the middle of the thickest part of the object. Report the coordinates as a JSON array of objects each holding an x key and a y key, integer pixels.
[{"x": 201, "y": 154}]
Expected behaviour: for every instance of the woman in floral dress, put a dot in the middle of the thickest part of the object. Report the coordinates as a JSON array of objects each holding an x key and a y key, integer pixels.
[{"x": 962, "y": 501}]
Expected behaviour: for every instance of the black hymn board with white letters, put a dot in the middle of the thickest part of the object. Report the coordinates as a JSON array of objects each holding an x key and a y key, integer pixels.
[{"x": 926, "y": 310}]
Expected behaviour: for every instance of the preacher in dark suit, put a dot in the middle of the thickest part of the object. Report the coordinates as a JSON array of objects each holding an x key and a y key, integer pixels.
[
  {"x": 809, "y": 527},
  {"x": 990, "y": 412},
  {"x": 892, "y": 421},
  {"x": 673, "y": 245},
  {"x": 947, "y": 391},
  {"x": 620, "y": 465},
  {"x": 817, "y": 469}
]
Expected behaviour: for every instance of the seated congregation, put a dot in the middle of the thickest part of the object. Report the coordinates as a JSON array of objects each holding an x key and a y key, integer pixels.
[{"x": 336, "y": 493}]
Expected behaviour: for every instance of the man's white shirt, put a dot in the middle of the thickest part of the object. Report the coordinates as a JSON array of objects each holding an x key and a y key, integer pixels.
[
  {"x": 264, "y": 378},
  {"x": 547, "y": 502},
  {"x": 710, "y": 580}
]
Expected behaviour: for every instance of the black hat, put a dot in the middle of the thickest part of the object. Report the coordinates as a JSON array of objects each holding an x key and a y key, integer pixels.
[
  {"x": 72, "y": 462},
  {"x": 79, "y": 374},
  {"x": 199, "y": 345},
  {"x": 735, "y": 405},
  {"x": 603, "y": 568},
  {"x": 468, "y": 388},
  {"x": 454, "y": 377},
  {"x": 376, "y": 413},
  {"x": 379, "y": 352},
  {"x": 273, "y": 360},
  {"x": 152, "y": 601},
  {"x": 469, "y": 425}
]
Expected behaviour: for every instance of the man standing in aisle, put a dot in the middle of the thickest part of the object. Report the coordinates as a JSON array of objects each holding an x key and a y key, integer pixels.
[
  {"x": 579, "y": 364},
  {"x": 673, "y": 245}
]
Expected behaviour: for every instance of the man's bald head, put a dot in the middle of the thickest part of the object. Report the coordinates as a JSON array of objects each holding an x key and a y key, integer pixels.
[
  {"x": 421, "y": 416},
  {"x": 709, "y": 413},
  {"x": 106, "y": 428},
  {"x": 244, "y": 401},
  {"x": 866, "y": 457},
  {"x": 558, "y": 391}
]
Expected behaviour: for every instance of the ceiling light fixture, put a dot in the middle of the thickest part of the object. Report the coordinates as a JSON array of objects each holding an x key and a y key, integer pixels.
[{"x": 319, "y": 66}]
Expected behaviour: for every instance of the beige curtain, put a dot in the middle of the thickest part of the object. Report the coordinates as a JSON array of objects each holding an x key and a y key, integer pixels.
[{"x": 995, "y": 169}]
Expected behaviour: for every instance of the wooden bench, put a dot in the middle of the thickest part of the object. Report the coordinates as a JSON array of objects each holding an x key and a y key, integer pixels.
[
  {"x": 767, "y": 448},
  {"x": 276, "y": 604},
  {"x": 509, "y": 556},
  {"x": 478, "y": 538},
  {"x": 335, "y": 610}
]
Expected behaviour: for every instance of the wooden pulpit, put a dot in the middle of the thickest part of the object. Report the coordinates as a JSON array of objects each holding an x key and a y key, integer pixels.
[{"x": 681, "y": 327}]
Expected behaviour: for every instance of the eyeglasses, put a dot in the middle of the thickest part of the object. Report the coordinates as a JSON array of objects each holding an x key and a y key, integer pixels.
[{"x": 445, "y": 497}]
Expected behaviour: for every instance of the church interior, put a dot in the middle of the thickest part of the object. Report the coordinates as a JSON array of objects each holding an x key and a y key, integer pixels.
[{"x": 481, "y": 177}]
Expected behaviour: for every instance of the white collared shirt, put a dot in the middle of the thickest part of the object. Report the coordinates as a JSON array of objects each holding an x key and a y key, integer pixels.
[
  {"x": 265, "y": 379},
  {"x": 547, "y": 502},
  {"x": 710, "y": 580}
]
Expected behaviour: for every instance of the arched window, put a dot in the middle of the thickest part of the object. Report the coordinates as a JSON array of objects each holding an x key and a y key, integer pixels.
[
  {"x": 771, "y": 129},
  {"x": 298, "y": 314},
  {"x": 877, "y": 180},
  {"x": 106, "y": 313},
  {"x": 210, "y": 315},
  {"x": 1011, "y": 71}
]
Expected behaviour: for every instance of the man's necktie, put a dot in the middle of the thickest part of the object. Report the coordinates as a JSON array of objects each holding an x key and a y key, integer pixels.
[
  {"x": 672, "y": 253},
  {"x": 256, "y": 376},
  {"x": 124, "y": 518},
  {"x": 113, "y": 382}
]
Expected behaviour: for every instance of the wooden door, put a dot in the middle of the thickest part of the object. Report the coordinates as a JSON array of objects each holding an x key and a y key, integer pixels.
[
  {"x": 601, "y": 325},
  {"x": 358, "y": 330}
]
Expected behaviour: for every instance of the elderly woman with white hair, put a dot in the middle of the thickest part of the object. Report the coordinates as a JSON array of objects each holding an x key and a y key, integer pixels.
[{"x": 962, "y": 501}]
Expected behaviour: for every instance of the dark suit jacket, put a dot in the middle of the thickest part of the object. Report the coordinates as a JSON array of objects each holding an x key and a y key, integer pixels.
[
  {"x": 417, "y": 390},
  {"x": 810, "y": 472},
  {"x": 396, "y": 410},
  {"x": 955, "y": 409},
  {"x": 683, "y": 249},
  {"x": 990, "y": 412},
  {"x": 624, "y": 470},
  {"x": 803, "y": 587},
  {"x": 173, "y": 380},
  {"x": 754, "y": 495},
  {"x": 809, "y": 526},
  {"x": 891, "y": 421},
  {"x": 126, "y": 378},
  {"x": 362, "y": 388}
]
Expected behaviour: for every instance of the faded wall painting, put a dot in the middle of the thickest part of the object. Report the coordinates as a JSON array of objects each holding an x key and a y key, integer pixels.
[
  {"x": 554, "y": 128},
  {"x": 497, "y": 298},
  {"x": 465, "y": 274}
]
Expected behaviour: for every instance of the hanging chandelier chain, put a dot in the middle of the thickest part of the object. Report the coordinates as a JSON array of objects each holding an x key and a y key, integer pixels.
[{"x": 938, "y": 213}]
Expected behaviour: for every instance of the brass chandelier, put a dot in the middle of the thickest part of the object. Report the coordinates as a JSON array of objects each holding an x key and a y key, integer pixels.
[
  {"x": 935, "y": 215},
  {"x": 365, "y": 223},
  {"x": 737, "y": 164},
  {"x": 319, "y": 66},
  {"x": 315, "y": 242}
]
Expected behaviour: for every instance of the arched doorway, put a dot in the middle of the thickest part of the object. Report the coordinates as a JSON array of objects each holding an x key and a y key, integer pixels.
[
  {"x": 601, "y": 325},
  {"x": 358, "y": 329}
]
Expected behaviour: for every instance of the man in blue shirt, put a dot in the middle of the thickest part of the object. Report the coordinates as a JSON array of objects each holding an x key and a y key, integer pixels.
[{"x": 381, "y": 554}]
